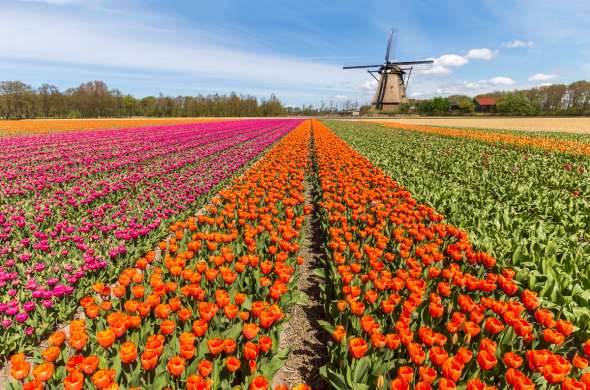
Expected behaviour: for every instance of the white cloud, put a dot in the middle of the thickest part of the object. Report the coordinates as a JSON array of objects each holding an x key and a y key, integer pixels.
[
  {"x": 542, "y": 77},
  {"x": 480, "y": 54},
  {"x": 501, "y": 80},
  {"x": 436, "y": 70},
  {"x": 518, "y": 43},
  {"x": 442, "y": 64},
  {"x": 141, "y": 47},
  {"x": 340, "y": 97},
  {"x": 369, "y": 86},
  {"x": 453, "y": 60}
]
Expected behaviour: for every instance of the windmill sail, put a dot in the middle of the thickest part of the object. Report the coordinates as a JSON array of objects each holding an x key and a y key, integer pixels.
[{"x": 388, "y": 47}]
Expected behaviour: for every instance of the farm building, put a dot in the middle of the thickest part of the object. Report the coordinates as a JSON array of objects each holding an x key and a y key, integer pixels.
[{"x": 484, "y": 104}]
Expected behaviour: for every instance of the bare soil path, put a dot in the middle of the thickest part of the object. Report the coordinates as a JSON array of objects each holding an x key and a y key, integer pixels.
[{"x": 302, "y": 333}]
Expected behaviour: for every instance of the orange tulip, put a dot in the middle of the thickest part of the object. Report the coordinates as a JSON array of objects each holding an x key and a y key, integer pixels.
[
  {"x": 205, "y": 367},
  {"x": 128, "y": 352},
  {"x": 89, "y": 364},
  {"x": 265, "y": 343},
  {"x": 51, "y": 353},
  {"x": 339, "y": 333},
  {"x": 167, "y": 327},
  {"x": 57, "y": 338},
  {"x": 106, "y": 337},
  {"x": 229, "y": 345},
  {"x": 250, "y": 351},
  {"x": 20, "y": 369},
  {"x": 175, "y": 366},
  {"x": 149, "y": 360},
  {"x": 259, "y": 383},
  {"x": 102, "y": 379},
  {"x": 250, "y": 331},
  {"x": 200, "y": 327},
  {"x": 33, "y": 385},
  {"x": 232, "y": 364},
  {"x": 512, "y": 360},
  {"x": 74, "y": 381},
  {"x": 486, "y": 360},
  {"x": 78, "y": 340},
  {"x": 215, "y": 346},
  {"x": 43, "y": 372},
  {"x": 357, "y": 347}
]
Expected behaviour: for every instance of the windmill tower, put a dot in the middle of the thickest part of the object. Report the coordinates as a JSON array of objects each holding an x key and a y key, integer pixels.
[{"x": 392, "y": 81}]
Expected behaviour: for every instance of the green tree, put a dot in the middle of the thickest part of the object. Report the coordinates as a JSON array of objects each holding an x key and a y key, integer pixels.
[
  {"x": 516, "y": 103},
  {"x": 440, "y": 106},
  {"x": 461, "y": 103},
  {"x": 17, "y": 99}
]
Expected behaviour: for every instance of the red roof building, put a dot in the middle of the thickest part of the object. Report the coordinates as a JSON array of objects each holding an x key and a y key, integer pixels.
[{"x": 484, "y": 104}]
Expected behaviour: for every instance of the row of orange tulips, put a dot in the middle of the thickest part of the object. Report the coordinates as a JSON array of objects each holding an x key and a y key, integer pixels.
[
  {"x": 36, "y": 126},
  {"x": 413, "y": 305},
  {"x": 203, "y": 310},
  {"x": 569, "y": 146}
]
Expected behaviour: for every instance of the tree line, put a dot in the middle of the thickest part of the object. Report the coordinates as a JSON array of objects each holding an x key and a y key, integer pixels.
[
  {"x": 95, "y": 99},
  {"x": 555, "y": 99}
]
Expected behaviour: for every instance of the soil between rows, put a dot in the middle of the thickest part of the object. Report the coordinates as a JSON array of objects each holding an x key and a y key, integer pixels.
[{"x": 302, "y": 333}]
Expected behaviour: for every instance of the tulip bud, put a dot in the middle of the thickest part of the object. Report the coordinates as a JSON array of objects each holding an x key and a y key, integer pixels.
[{"x": 380, "y": 382}]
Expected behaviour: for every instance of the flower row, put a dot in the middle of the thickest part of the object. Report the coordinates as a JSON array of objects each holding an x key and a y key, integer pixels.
[
  {"x": 413, "y": 305},
  {"x": 39, "y": 126},
  {"x": 570, "y": 146}
]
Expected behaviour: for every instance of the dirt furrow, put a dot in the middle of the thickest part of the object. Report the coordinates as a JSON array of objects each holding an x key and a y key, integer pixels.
[{"x": 302, "y": 333}]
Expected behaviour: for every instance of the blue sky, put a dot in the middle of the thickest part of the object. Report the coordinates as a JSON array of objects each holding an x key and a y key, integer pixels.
[{"x": 293, "y": 48}]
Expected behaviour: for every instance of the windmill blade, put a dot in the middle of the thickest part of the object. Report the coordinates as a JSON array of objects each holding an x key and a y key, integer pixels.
[
  {"x": 361, "y": 66},
  {"x": 388, "y": 46},
  {"x": 407, "y": 81},
  {"x": 371, "y": 72},
  {"x": 403, "y": 63}
]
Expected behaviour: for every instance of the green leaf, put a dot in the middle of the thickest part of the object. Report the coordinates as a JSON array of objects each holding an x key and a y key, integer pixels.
[
  {"x": 327, "y": 326},
  {"x": 517, "y": 256},
  {"x": 361, "y": 371},
  {"x": 335, "y": 379},
  {"x": 300, "y": 298},
  {"x": 275, "y": 363}
]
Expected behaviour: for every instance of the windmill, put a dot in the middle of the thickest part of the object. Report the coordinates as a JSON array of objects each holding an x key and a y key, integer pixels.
[{"x": 393, "y": 79}]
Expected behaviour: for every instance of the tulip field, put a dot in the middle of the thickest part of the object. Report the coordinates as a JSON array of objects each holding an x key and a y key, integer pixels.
[
  {"x": 77, "y": 206},
  {"x": 167, "y": 257}
]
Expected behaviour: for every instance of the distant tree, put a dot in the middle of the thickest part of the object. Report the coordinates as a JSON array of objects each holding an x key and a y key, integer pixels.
[
  {"x": 17, "y": 99},
  {"x": 404, "y": 108},
  {"x": 440, "y": 106},
  {"x": 425, "y": 107},
  {"x": 50, "y": 99},
  {"x": 95, "y": 99},
  {"x": 516, "y": 103},
  {"x": 578, "y": 94},
  {"x": 462, "y": 104},
  {"x": 272, "y": 107},
  {"x": 364, "y": 110}
]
